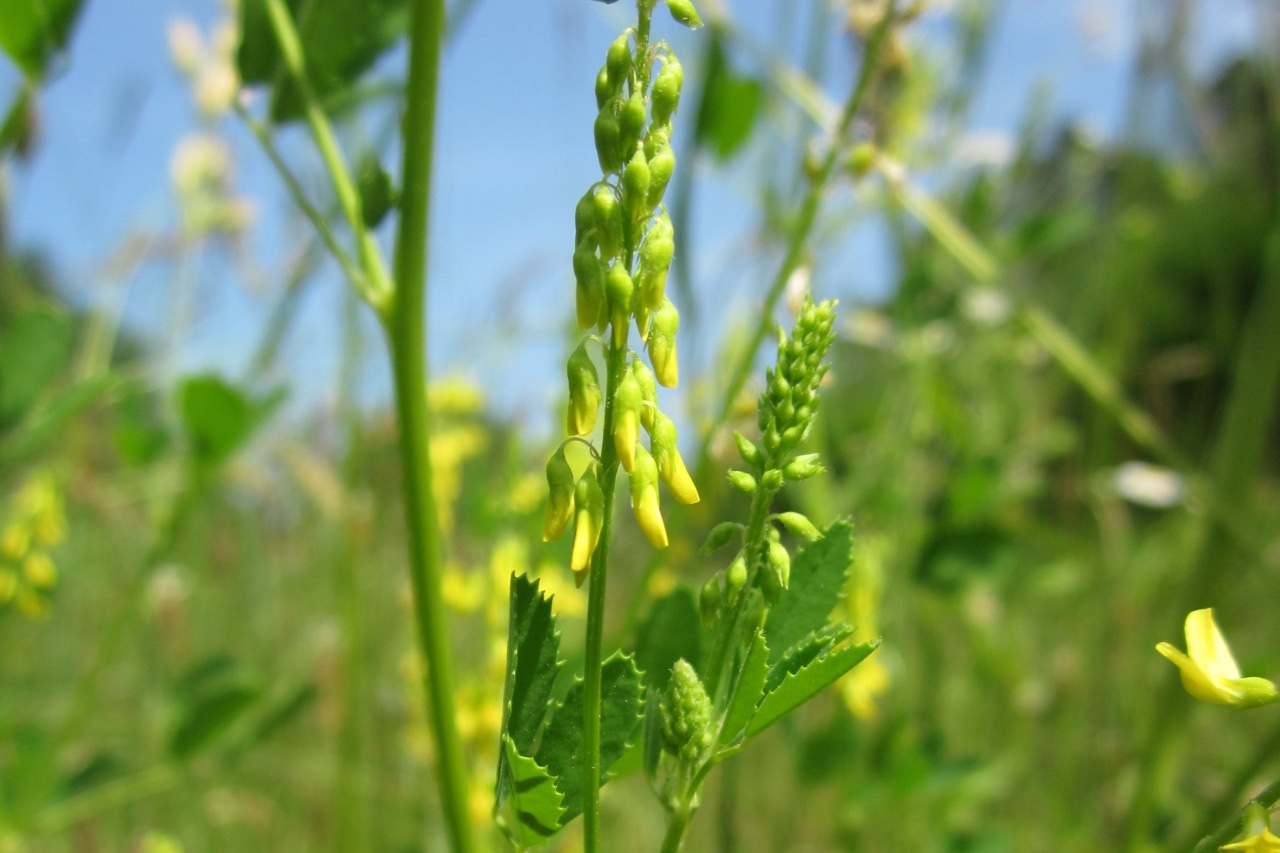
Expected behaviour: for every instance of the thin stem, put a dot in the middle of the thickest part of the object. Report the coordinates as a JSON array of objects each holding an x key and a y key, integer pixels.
[
  {"x": 616, "y": 358},
  {"x": 796, "y": 247},
  {"x": 407, "y": 339},
  {"x": 374, "y": 285},
  {"x": 1218, "y": 812},
  {"x": 676, "y": 827},
  {"x": 1231, "y": 828},
  {"x": 318, "y": 221}
]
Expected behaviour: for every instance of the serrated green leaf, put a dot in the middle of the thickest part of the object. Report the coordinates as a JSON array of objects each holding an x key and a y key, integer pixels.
[
  {"x": 341, "y": 40},
  {"x": 34, "y": 31},
  {"x": 621, "y": 700},
  {"x": 669, "y": 633},
  {"x": 818, "y": 574},
  {"x": 533, "y": 810},
  {"x": 806, "y": 651},
  {"x": 532, "y": 647},
  {"x": 801, "y": 686},
  {"x": 748, "y": 691}
]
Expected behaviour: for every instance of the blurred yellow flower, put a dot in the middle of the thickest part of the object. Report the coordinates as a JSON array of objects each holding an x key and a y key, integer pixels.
[{"x": 1210, "y": 673}]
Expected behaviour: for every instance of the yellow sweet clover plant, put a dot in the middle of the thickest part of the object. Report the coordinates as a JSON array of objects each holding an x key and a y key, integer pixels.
[{"x": 1209, "y": 671}]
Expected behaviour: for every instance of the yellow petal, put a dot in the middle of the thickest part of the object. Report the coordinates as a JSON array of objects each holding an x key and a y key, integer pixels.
[
  {"x": 1206, "y": 646},
  {"x": 678, "y": 480},
  {"x": 649, "y": 517},
  {"x": 1265, "y": 842},
  {"x": 1195, "y": 679},
  {"x": 625, "y": 435},
  {"x": 585, "y": 537}
]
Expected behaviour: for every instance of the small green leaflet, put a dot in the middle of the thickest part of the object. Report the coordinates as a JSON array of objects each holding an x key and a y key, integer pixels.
[
  {"x": 805, "y": 652},
  {"x": 532, "y": 810},
  {"x": 747, "y": 694},
  {"x": 621, "y": 704},
  {"x": 34, "y": 31},
  {"x": 801, "y": 686},
  {"x": 818, "y": 575},
  {"x": 532, "y": 646}
]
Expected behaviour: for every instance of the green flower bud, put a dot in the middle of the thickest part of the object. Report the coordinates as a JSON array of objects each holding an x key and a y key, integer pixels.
[
  {"x": 686, "y": 714},
  {"x": 608, "y": 142},
  {"x": 735, "y": 577},
  {"x": 722, "y": 534},
  {"x": 655, "y": 261},
  {"x": 671, "y": 467},
  {"x": 797, "y": 524},
  {"x": 618, "y": 61},
  {"x": 588, "y": 499},
  {"x": 662, "y": 164},
  {"x": 626, "y": 419},
  {"x": 608, "y": 219},
  {"x": 635, "y": 186},
  {"x": 749, "y": 452},
  {"x": 620, "y": 294},
  {"x": 649, "y": 392},
  {"x": 862, "y": 159},
  {"x": 684, "y": 12},
  {"x": 772, "y": 479},
  {"x": 631, "y": 122},
  {"x": 709, "y": 601},
  {"x": 584, "y": 217},
  {"x": 662, "y": 344},
  {"x": 644, "y": 498},
  {"x": 584, "y": 392},
  {"x": 589, "y": 276},
  {"x": 666, "y": 90},
  {"x": 742, "y": 481},
  {"x": 605, "y": 90},
  {"x": 658, "y": 137},
  {"x": 791, "y": 396},
  {"x": 560, "y": 489},
  {"x": 780, "y": 564}
]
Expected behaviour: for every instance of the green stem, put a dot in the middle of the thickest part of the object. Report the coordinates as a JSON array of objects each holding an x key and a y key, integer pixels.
[
  {"x": 1232, "y": 828},
  {"x": 374, "y": 284},
  {"x": 796, "y": 247},
  {"x": 1223, "y": 806},
  {"x": 616, "y": 362},
  {"x": 407, "y": 339},
  {"x": 677, "y": 824}
]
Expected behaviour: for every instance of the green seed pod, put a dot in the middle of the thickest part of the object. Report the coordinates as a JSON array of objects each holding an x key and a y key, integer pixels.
[
  {"x": 620, "y": 294},
  {"x": 631, "y": 122},
  {"x": 608, "y": 143},
  {"x": 709, "y": 601},
  {"x": 635, "y": 186},
  {"x": 797, "y": 524},
  {"x": 666, "y": 90},
  {"x": 742, "y": 481},
  {"x": 589, "y": 275},
  {"x": 649, "y": 392},
  {"x": 802, "y": 467},
  {"x": 644, "y": 498},
  {"x": 722, "y": 534},
  {"x": 377, "y": 192},
  {"x": 662, "y": 164},
  {"x": 584, "y": 217},
  {"x": 605, "y": 90},
  {"x": 671, "y": 467},
  {"x": 608, "y": 219},
  {"x": 618, "y": 61},
  {"x": 655, "y": 262},
  {"x": 749, "y": 452},
  {"x": 584, "y": 392},
  {"x": 662, "y": 344},
  {"x": 735, "y": 577},
  {"x": 588, "y": 500},
  {"x": 560, "y": 489}
]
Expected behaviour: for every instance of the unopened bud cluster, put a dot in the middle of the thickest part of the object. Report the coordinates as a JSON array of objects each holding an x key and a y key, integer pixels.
[
  {"x": 623, "y": 245},
  {"x": 686, "y": 714},
  {"x": 786, "y": 412}
]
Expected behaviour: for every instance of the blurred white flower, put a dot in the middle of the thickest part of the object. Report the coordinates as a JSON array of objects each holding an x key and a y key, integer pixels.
[
  {"x": 200, "y": 162},
  {"x": 185, "y": 45},
  {"x": 797, "y": 287},
  {"x": 1148, "y": 485},
  {"x": 993, "y": 148},
  {"x": 869, "y": 328},
  {"x": 986, "y": 305}
]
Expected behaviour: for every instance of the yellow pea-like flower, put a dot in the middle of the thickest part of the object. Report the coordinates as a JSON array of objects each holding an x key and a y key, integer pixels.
[
  {"x": 644, "y": 499},
  {"x": 1264, "y": 842},
  {"x": 1210, "y": 673}
]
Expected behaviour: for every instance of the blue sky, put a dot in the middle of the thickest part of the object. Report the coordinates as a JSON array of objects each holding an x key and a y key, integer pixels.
[{"x": 514, "y": 153}]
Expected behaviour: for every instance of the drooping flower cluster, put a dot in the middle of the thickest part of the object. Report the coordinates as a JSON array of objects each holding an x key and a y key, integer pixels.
[{"x": 623, "y": 245}]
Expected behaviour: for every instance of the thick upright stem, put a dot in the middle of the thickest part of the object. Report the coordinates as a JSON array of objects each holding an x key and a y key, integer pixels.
[
  {"x": 616, "y": 358},
  {"x": 407, "y": 338}
]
